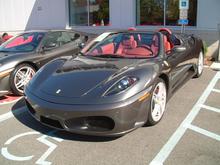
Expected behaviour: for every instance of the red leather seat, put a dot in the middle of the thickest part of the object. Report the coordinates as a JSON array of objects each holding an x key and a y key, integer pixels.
[
  {"x": 108, "y": 49},
  {"x": 167, "y": 44}
]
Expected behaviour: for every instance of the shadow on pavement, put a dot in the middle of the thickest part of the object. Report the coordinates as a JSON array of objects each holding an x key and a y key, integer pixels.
[{"x": 26, "y": 119}]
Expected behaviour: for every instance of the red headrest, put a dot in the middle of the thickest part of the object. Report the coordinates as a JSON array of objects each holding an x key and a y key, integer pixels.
[
  {"x": 165, "y": 30},
  {"x": 132, "y": 29}
]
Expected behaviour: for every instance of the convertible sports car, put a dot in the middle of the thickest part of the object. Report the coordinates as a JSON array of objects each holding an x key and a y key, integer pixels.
[
  {"x": 119, "y": 82},
  {"x": 23, "y": 55}
]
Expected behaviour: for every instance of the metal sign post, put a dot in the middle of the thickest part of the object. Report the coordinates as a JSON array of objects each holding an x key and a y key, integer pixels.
[{"x": 183, "y": 17}]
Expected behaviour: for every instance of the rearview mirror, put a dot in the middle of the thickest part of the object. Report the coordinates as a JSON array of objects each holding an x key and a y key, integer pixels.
[{"x": 179, "y": 49}]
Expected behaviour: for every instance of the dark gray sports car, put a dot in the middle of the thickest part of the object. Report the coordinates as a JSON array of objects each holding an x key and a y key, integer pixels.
[
  {"x": 120, "y": 81},
  {"x": 23, "y": 55}
]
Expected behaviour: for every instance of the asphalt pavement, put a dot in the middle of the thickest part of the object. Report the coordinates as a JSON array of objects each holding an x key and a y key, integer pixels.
[{"x": 189, "y": 133}]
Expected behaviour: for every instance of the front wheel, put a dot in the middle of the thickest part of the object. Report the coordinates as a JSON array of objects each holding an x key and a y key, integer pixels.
[
  {"x": 199, "y": 65},
  {"x": 20, "y": 77},
  {"x": 158, "y": 103}
]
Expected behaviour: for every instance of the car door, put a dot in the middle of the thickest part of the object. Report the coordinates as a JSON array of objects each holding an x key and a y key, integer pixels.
[
  {"x": 179, "y": 60},
  {"x": 57, "y": 44}
]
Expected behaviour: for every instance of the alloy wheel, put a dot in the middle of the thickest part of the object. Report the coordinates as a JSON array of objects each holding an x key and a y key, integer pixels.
[
  {"x": 200, "y": 63},
  {"x": 22, "y": 77},
  {"x": 158, "y": 101}
]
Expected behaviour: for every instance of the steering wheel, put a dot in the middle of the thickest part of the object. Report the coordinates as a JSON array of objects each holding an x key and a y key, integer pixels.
[{"x": 146, "y": 47}]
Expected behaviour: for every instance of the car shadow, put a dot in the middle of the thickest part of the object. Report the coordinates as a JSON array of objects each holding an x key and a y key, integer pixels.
[{"x": 26, "y": 119}]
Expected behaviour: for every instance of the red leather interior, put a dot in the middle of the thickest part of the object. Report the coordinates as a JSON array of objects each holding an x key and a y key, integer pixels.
[
  {"x": 167, "y": 44},
  {"x": 139, "y": 51},
  {"x": 108, "y": 49},
  {"x": 19, "y": 41}
]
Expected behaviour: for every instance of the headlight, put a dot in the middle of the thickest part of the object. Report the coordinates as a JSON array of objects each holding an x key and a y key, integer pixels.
[{"x": 122, "y": 85}]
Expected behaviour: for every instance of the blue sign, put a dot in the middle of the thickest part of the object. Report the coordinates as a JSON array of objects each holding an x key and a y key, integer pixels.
[
  {"x": 184, "y": 4},
  {"x": 183, "y": 21}
]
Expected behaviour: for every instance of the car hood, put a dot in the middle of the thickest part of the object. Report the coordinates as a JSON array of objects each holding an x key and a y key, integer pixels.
[
  {"x": 77, "y": 77},
  {"x": 80, "y": 78}
]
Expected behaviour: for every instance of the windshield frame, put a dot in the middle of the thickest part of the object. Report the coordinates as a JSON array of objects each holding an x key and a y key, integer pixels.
[
  {"x": 35, "y": 47},
  {"x": 94, "y": 44}
]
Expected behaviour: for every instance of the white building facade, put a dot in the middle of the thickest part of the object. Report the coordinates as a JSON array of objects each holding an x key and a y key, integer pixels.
[{"x": 101, "y": 15}]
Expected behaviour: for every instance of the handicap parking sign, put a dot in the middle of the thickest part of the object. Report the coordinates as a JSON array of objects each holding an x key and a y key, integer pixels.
[{"x": 183, "y": 21}]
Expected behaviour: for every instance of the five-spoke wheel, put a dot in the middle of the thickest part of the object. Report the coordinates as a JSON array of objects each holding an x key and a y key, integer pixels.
[
  {"x": 200, "y": 65},
  {"x": 20, "y": 77},
  {"x": 158, "y": 102}
]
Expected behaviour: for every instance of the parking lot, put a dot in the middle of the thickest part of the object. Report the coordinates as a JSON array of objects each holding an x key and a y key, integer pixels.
[{"x": 189, "y": 133}]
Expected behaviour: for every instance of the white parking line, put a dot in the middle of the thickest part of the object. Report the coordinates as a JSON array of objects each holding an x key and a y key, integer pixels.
[
  {"x": 210, "y": 108},
  {"x": 174, "y": 139},
  {"x": 11, "y": 114},
  {"x": 204, "y": 132},
  {"x": 216, "y": 90}
]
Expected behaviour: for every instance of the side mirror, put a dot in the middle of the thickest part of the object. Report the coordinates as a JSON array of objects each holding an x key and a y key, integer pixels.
[
  {"x": 179, "y": 49},
  {"x": 81, "y": 45}
]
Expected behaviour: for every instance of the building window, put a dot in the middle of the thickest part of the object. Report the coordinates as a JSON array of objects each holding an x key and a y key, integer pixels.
[
  {"x": 163, "y": 12},
  {"x": 150, "y": 12},
  {"x": 89, "y": 12}
]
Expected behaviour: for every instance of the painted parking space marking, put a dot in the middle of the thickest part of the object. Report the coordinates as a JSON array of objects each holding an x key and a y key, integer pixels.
[
  {"x": 175, "y": 138},
  {"x": 210, "y": 108},
  {"x": 204, "y": 132},
  {"x": 216, "y": 90},
  {"x": 44, "y": 139},
  {"x": 11, "y": 114},
  {"x": 6, "y": 154}
]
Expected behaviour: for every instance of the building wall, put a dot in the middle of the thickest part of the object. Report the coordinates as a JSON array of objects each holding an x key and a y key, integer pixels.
[
  {"x": 34, "y": 14},
  {"x": 123, "y": 15},
  {"x": 20, "y": 15},
  {"x": 14, "y": 14},
  {"x": 208, "y": 15}
]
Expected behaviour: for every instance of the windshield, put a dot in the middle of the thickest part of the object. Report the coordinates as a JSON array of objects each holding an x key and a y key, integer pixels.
[
  {"x": 126, "y": 45},
  {"x": 23, "y": 43}
]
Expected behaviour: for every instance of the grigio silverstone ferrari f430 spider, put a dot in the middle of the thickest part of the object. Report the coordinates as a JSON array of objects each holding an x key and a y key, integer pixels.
[{"x": 120, "y": 81}]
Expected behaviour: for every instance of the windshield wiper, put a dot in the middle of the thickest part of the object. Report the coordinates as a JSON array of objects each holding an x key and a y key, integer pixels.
[
  {"x": 109, "y": 56},
  {"x": 4, "y": 51}
]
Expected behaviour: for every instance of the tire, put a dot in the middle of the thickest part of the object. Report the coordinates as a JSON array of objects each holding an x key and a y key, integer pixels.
[
  {"x": 157, "y": 110},
  {"x": 199, "y": 65},
  {"x": 20, "y": 76}
]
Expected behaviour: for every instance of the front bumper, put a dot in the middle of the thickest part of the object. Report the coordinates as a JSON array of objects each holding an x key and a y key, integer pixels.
[{"x": 98, "y": 119}]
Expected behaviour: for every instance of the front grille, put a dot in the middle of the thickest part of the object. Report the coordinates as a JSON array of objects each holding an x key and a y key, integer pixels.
[
  {"x": 30, "y": 108},
  {"x": 51, "y": 122},
  {"x": 91, "y": 123}
]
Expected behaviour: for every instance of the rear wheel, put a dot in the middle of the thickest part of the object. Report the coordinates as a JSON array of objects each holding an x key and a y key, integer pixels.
[
  {"x": 158, "y": 103},
  {"x": 200, "y": 65},
  {"x": 20, "y": 77}
]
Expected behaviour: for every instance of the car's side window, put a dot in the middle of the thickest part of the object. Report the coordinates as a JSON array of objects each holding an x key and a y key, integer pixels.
[
  {"x": 64, "y": 38},
  {"x": 57, "y": 39},
  {"x": 73, "y": 36},
  {"x": 51, "y": 41}
]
